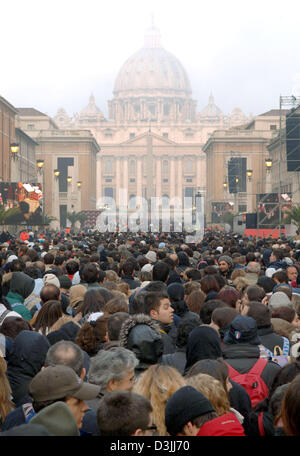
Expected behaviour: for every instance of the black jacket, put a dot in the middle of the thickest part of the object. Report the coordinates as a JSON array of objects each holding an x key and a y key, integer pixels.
[
  {"x": 176, "y": 360},
  {"x": 142, "y": 335},
  {"x": 26, "y": 359},
  {"x": 243, "y": 356},
  {"x": 269, "y": 339},
  {"x": 131, "y": 282}
]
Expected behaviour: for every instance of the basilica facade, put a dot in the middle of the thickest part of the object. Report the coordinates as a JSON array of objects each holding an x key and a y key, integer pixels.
[{"x": 151, "y": 142}]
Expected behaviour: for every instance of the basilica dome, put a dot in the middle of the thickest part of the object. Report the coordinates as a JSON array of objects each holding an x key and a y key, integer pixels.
[{"x": 152, "y": 69}]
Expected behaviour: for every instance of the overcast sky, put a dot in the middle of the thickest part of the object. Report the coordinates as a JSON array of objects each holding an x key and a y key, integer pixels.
[{"x": 55, "y": 53}]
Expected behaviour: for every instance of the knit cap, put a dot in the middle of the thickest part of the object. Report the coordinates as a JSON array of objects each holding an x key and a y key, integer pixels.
[
  {"x": 278, "y": 299},
  {"x": 183, "y": 406},
  {"x": 226, "y": 258}
]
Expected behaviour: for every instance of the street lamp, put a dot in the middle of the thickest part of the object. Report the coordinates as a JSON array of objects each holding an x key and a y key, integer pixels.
[
  {"x": 14, "y": 148},
  {"x": 56, "y": 173},
  {"x": 79, "y": 184},
  {"x": 236, "y": 180},
  {"x": 69, "y": 179},
  {"x": 268, "y": 163},
  {"x": 225, "y": 185},
  {"x": 249, "y": 174}
]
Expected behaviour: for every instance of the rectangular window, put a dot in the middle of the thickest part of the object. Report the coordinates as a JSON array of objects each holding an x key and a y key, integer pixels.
[
  {"x": 189, "y": 180},
  {"x": 63, "y": 215},
  {"x": 131, "y": 180},
  {"x": 108, "y": 180},
  {"x": 62, "y": 164},
  {"x": 132, "y": 135},
  {"x": 165, "y": 180},
  {"x": 242, "y": 207},
  {"x": 273, "y": 127},
  {"x": 165, "y": 135}
]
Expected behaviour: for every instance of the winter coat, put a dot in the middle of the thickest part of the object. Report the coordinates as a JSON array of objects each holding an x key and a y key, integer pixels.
[
  {"x": 176, "y": 360},
  {"x": 203, "y": 343},
  {"x": 269, "y": 338},
  {"x": 21, "y": 286},
  {"x": 142, "y": 335},
  {"x": 26, "y": 359},
  {"x": 243, "y": 356}
]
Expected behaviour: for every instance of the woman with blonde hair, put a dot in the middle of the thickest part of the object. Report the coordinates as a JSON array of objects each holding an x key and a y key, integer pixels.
[
  {"x": 157, "y": 384},
  {"x": 6, "y": 405},
  {"x": 214, "y": 391}
]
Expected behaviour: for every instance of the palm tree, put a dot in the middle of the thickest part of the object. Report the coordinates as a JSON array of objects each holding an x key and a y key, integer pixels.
[
  {"x": 293, "y": 216},
  {"x": 74, "y": 217}
]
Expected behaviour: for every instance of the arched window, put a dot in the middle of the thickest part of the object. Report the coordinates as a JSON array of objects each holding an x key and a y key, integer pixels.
[
  {"x": 165, "y": 166},
  {"x": 132, "y": 202},
  {"x": 132, "y": 167}
]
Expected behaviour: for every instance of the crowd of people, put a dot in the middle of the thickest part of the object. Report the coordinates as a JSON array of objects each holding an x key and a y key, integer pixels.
[{"x": 143, "y": 334}]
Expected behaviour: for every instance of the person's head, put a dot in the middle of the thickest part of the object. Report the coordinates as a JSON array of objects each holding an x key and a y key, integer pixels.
[
  {"x": 123, "y": 413},
  {"x": 209, "y": 283},
  {"x": 290, "y": 408},
  {"x": 76, "y": 295},
  {"x": 157, "y": 384},
  {"x": 212, "y": 389},
  {"x": 230, "y": 296},
  {"x": 195, "y": 301},
  {"x": 252, "y": 293},
  {"x": 203, "y": 343},
  {"x": 189, "y": 287},
  {"x": 90, "y": 273},
  {"x": 267, "y": 283},
  {"x": 278, "y": 299},
  {"x": 12, "y": 326},
  {"x": 114, "y": 324},
  {"x": 242, "y": 329},
  {"x": 93, "y": 332},
  {"x": 193, "y": 274},
  {"x": 117, "y": 304},
  {"x": 5, "y": 391},
  {"x": 208, "y": 308},
  {"x": 48, "y": 259},
  {"x": 49, "y": 313},
  {"x": 276, "y": 255},
  {"x": 111, "y": 276},
  {"x": 128, "y": 268},
  {"x": 292, "y": 273},
  {"x": 287, "y": 313},
  {"x": 260, "y": 312},
  {"x": 60, "y": 383},
  {"x": 49, "y": 293},
  {"x": 216, "y": 368},
  {"x": 66, "y": 353},
  {"x": 186, "y": 411},
  {"x": 138, "y": 303},
  {"x": 113, "y": 370},
  {"x": 253, "y": 267},
  {"x": 94, "y": 301},
  {"x": 160, "y": 271},
  {"x": 184, "y": 328},
  {"x": 222, "y": 317},
  {"x": 238, "y": 272},
  {"x": 158, "y": 307},
  {"x": 280, "y": 277},
  {"x": 72, "y": 267},
  {"x": 225, "y": 263},
  {"x": 65, "y": 284}
]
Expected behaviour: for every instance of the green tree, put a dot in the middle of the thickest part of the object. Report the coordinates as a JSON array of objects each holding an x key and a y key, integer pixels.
[{"x": 74, "y": 217}]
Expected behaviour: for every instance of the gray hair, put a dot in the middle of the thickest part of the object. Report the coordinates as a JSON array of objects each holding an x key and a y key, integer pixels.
[
  {"x": 111, "y": 364},
  {"x": 253, "y": 266},
  {"x": 66, "y": 353}
]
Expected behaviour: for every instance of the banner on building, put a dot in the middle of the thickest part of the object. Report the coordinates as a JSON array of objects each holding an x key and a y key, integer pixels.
[{"x": 21, "y": 203}]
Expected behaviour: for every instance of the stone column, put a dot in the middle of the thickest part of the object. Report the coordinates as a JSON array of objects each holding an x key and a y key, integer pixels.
[
  {"x": 118, "y": 180},
  {"x": 139, "y": 181},
  {"x": 179, "y": 177},
  {"x": 158, "y": 177},
  {"x": 99, "y": 178},
  {"x": 172, "y": 177}
]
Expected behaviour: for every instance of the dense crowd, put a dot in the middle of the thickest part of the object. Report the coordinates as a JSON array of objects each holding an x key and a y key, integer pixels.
[{"x": 142, "y": 334}]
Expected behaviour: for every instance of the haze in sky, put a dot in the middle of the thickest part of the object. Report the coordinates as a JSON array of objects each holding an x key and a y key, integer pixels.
[{"x": 56, "y": 53}]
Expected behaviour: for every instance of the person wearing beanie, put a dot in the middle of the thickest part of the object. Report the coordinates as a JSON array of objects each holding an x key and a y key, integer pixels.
[
  {"x": 151, "y": 256},
  {"x": 21, "y": 286},
  {"x": 279, "y": 299},
  {"x": 225, "y": 266},
  {"x": 186, "y": 411}
]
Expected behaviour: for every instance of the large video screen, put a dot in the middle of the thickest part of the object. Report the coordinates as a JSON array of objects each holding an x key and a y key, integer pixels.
[
  {"x": 269, "y": 206},
  {"x": 21, "y": 203},
  {"x": 219, "y": 210}
]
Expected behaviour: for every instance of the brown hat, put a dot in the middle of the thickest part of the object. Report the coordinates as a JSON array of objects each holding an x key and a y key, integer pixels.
[{"x": 58, "y": 382}]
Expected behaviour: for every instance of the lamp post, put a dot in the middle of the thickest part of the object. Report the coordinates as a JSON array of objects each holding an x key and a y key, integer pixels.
[
  {"x": 14, "y": 150},
  {"x": 249, "y": 173},
  {"x": 40, "y": 165}
]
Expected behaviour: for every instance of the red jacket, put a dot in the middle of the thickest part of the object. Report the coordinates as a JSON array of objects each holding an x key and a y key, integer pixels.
[{"x": 224, "y": 425}]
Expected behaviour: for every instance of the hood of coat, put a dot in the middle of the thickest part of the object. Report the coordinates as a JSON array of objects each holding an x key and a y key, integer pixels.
[
  {"x": 203, "y": 343},
  {"x": 68, "y": 331},
  {"x": 22, "y": 284},
  {"x": 28, "y": 354},
  {"x": 143, "y": 337}
]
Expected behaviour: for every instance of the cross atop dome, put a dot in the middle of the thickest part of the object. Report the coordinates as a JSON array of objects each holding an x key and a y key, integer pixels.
[{"x": 152, "y": 36}]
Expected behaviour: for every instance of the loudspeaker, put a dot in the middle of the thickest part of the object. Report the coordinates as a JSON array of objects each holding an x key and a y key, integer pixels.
[
  {"x": 292, "y": 140},
  {"x": 251, "y": 221}
]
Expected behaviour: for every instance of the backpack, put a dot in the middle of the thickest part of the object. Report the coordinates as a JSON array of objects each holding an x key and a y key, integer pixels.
[{"x": 252, "y": 381}]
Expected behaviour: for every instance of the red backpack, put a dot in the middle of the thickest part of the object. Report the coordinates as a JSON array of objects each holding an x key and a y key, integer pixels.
[{"x": 252, "y": 381}]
